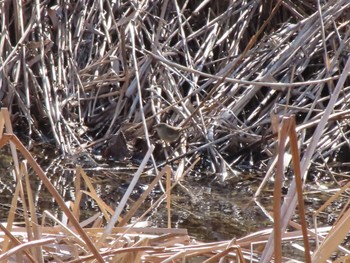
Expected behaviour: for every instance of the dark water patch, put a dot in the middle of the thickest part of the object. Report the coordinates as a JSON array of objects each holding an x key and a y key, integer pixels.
[{"x": 211, "y": 209}]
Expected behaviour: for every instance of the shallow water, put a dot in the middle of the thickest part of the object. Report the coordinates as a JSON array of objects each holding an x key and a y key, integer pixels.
[{"x": 208, "y": 208}]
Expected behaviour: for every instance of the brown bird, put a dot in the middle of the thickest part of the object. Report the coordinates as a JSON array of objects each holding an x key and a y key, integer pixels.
[{"x": 167, "y": 132}]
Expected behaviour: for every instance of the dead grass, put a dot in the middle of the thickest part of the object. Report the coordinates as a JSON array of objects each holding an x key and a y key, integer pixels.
[
  {"x": 259, "y": 82},
  {"x": 66, "y": 239}
]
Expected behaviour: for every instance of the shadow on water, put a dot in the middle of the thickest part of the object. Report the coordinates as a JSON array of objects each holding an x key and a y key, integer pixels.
[{"x": 209, "y": 209}]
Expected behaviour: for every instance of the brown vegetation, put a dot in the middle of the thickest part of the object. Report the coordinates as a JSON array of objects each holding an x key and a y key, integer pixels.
[{"x": 82, "y": 73}]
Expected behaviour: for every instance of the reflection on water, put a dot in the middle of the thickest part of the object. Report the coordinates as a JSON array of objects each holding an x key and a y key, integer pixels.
[{"x": 209, "y": 209}]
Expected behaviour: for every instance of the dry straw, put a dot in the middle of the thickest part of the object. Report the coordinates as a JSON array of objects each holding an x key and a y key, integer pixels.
[{"x": 77, "y": 73}]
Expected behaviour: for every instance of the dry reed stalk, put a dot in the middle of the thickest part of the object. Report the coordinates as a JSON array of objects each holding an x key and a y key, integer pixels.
[
  {"x": 16, "y": 250},
  {"x": 288, "y": 207},
  {"x": 15, "y": 143},
  {"x": 72, "y": 71},
  {"x": 221, "y": 62},
  {"x": 15, "y": 241},
  {"x": 82, "y": 241},
  {"x": 337, "y": 234},
  {"x": 138, "y": 203},
  {"x": 32, "y": 223},
  {"x": 282, "y": 138},
  {"x": 333, "y": 239},
  {"x": 122, "y": 203},
  {"x": 299, "y": 186},
  {"x": 105, "y": 209}
]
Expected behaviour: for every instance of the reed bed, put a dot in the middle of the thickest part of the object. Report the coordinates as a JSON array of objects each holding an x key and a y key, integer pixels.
[
  {"x": 262, "y": 86},
  {"x": 108, "y": 237}
]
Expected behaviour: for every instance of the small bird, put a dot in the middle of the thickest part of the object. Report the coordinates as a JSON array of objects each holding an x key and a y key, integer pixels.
[{"x": 167, "y": 132}]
